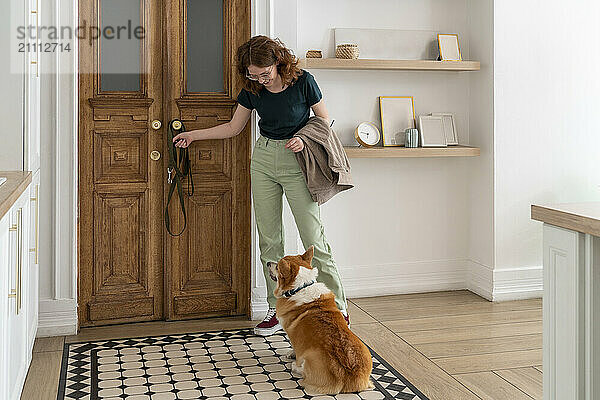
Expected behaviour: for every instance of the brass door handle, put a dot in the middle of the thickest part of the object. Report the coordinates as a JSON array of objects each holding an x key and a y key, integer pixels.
[
  {"x": 156, "y": 124},
  {"x": 176, "y": 124},
  {"x": 37, "y": 35},
  {"x": 20, "y": 260},
  {"x": 17, "y": 292},
  {"x": 155, "y": 155},
  {"x": 35, "y": 249},
  {"x": 14, "y": 228}
]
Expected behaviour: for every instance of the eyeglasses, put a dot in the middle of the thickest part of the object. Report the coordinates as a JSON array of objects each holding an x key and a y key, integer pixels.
[{"x": 264, "y": 76}]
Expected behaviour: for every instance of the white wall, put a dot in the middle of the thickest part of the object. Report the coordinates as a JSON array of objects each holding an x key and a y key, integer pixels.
[
  {"x": 404, "y": 227},
  {"x": 547, "y": 97},
  {"x": 481, "y": 169},
  {"x": 58, "y": 191},
  {"x": 434, "y": 224}
]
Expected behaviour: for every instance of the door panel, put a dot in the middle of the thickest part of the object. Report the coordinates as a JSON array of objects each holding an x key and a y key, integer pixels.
[
  {"x": 204, "y": 58},
  {"x": 130, "y": 269},
  {"x": 120, "y": 156},
  {"x": 211, "y": 269},
  {"x": 124, "y": 53},
  {"x": 204, "y": 268},
  {"x": 121, "y": 264}
]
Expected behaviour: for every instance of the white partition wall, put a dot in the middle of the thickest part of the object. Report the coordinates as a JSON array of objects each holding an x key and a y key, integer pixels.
[
  {"x": 546, "y": 137},
  {"x": 413, "y": 235},
  {"x": 58, "y": 190}
]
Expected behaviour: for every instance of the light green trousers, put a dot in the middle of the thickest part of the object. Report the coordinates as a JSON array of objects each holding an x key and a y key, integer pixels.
[{"x": 274, "y": 170}]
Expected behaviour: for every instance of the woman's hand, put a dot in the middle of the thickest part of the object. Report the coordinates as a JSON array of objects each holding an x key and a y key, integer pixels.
[
  {"x": 184, "y": 139},
  {"x": 295, "y": 144}
]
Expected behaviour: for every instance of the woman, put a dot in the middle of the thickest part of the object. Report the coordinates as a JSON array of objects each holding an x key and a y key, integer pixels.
[{"x": 283, "y": 96}]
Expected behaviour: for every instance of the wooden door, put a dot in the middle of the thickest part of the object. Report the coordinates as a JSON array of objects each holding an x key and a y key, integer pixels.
[
  {"x": 130, "y": 268},
  {"x": 209, "y": 265}
]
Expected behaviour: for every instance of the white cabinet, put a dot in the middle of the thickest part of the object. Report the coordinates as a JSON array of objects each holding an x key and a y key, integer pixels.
[
  {"x": 571, "y": 313},
  {"x": 18, "y": 297},
  {"x": 20, "y": 114},
  {"x": 32, "y": 261},
  {"x": 4, "y": 265}
]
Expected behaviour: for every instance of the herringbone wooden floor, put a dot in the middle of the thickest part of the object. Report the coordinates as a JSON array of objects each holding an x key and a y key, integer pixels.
[{"x": 451, "y": 345}]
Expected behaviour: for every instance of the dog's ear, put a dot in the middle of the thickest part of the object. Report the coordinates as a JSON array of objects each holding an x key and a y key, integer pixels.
[
  {"x": 308, "y": 254},
  {"x": 283, "y": 269},
  {"x": 287, "y": 272}
]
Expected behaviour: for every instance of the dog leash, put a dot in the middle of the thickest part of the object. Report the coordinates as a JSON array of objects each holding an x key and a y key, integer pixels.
[{"x": 178, "y": 170}]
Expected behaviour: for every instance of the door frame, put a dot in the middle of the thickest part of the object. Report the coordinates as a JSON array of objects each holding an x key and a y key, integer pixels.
[{"x": 83, "y": 7}]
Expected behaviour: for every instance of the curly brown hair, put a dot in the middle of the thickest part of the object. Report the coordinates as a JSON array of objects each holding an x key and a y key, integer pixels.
[{"x": 262, "y": 51}]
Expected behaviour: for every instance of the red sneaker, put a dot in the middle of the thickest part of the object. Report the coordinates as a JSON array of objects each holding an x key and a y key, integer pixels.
[{"x": 269, "y": 325}]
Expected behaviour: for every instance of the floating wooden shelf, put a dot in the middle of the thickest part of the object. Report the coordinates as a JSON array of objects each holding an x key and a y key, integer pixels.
[
  {"x": 415, "y": 65},
  {"x": 376, "y": 152}
]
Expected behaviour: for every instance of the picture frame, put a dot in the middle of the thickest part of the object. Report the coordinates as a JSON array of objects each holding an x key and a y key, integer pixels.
[
  {"x": 449, "y": 128},
  {"x": 449, "y": 47},
  {"x": 397, "y": 114},
  {"x": 431, "y": 131}
]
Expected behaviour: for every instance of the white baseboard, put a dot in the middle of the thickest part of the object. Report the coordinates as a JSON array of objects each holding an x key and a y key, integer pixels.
[
  {"x": 388, "y": 279},
  {"x": 480, "y": 279},
  {"x": 57, "y": 317},
  {"x": 505, "y": 284},
  {"x": 432, "y": 276},
  {"x": 518, "y": 283},
  {"x": 402, "y": 278},
  {"x": 259, "y": 309}
]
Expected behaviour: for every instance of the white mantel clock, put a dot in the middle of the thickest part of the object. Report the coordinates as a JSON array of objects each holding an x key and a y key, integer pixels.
[{"x": 367, "y": 134}]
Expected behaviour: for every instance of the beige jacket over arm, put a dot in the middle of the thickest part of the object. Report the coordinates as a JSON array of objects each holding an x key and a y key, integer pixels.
[{"x": 323, "y": 160}]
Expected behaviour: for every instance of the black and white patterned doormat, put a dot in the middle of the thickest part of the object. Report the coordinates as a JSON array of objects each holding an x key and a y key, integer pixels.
[{"x": 225, "y": 365}]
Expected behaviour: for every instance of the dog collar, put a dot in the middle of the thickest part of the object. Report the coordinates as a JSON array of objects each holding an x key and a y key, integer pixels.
[{"x": 292, "y": 292}]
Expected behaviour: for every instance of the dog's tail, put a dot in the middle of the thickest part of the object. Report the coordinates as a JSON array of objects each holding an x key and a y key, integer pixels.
[{"x": 358, "y": 385}]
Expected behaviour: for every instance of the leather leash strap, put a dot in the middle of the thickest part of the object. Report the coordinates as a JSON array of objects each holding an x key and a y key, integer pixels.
[{"x": 178, "y": 170}]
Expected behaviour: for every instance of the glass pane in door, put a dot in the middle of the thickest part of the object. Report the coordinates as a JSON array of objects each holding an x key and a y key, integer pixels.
[
  {"x": 120, "y": 45},
  {"x": 204, "y": 41}
]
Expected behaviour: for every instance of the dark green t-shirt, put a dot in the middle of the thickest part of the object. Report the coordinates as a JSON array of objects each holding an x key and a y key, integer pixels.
[{"x": 283, "y": 114}]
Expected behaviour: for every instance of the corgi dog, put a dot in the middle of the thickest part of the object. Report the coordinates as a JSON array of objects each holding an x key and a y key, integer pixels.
[{"x": 328, "y": 355}]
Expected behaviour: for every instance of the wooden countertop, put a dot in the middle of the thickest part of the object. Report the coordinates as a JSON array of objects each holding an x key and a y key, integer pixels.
[
  {"x": 580, "y": 217},
  {"x": 15, "y": 185}
]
